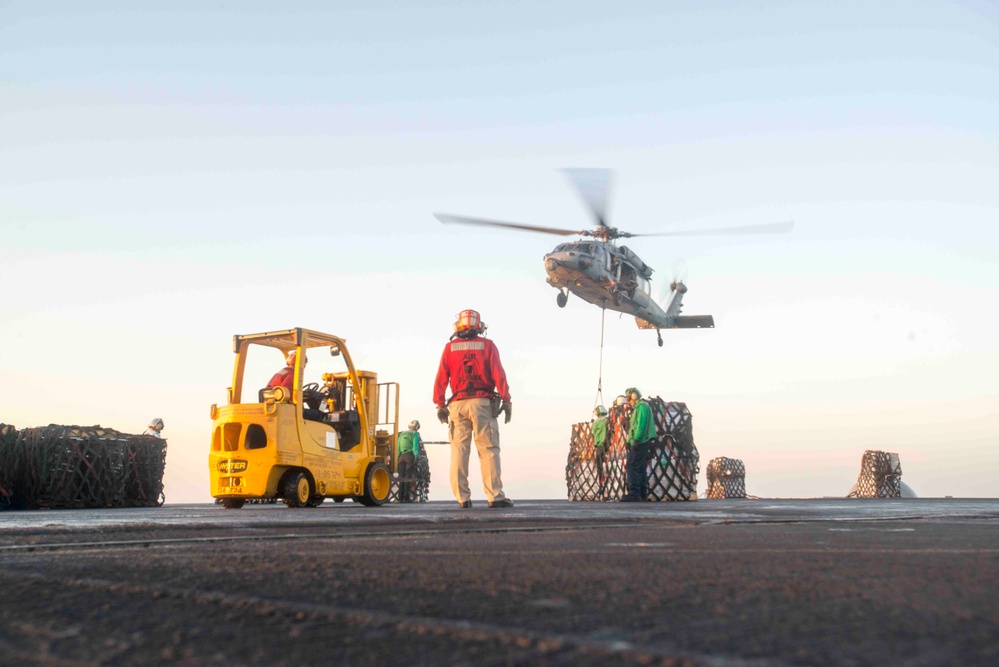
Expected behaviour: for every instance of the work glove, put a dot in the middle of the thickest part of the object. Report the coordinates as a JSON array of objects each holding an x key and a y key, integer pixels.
[
  {"x": 506, "y": 409},
  {"x": 442, "y": 414}
]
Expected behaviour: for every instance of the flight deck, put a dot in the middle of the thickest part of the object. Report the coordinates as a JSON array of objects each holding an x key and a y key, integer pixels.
[{"x": 711, "y": 582}]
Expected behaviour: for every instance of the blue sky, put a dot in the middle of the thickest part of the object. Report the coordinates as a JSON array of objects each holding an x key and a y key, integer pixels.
[{"x": 172, "y": 175}]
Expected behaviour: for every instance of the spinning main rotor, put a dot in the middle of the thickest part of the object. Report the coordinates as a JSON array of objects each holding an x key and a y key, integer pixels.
[{"x": 593, "y": 187}]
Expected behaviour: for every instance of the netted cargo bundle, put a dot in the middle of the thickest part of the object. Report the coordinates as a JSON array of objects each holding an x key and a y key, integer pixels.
[
  {"x": 87, "y": 467},
  {"x": 726, "y": 478},
  {"x": 8, "y": 435},
  {"x": 674, "y": 461},
  {"x": 672, "y": 466},
  {"x": 880, "y": 476},
  {"x": 420, "y": 480},
  {"x": 587, "y": 476}
]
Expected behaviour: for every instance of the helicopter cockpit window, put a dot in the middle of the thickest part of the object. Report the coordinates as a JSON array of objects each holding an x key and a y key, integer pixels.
[{"x": 644, "y": 285}]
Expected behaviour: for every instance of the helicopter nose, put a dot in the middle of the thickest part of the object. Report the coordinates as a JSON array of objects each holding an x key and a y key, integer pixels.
[{"x": 561, "y": 260}]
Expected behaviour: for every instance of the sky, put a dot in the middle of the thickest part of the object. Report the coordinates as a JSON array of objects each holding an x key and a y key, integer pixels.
[{"x": 172, "y": 174}]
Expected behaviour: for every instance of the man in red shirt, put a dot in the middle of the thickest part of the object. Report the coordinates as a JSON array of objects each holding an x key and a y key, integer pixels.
[
  {"x": 286, "y": 376},
  {"x": 471, "y": 365}
]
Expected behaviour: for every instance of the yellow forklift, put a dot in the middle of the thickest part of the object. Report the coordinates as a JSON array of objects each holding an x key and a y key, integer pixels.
[{"x": 305, "y": 443}]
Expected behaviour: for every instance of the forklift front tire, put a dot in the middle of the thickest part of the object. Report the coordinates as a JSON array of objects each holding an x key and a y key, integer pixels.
[
  {"x": 377, "y": 485},
  {"x": 298, "y": 490}
]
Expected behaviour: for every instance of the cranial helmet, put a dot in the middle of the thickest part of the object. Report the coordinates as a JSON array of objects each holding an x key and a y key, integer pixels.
[
  {"x": 156, "y": 423},
  {"x": 469, "y": 323},
  {"x": 414, "y": 425},
  {"x": 620, "y": 400},
  {"x": 632, "y": 390},
  {"x": 600, "y": 411}
]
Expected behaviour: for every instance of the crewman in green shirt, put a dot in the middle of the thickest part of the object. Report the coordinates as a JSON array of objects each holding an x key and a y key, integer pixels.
[
  {"x": 641, "y": 435},
  {"x": 599, "y": 430},
  {"x": 409, "y": 449}
]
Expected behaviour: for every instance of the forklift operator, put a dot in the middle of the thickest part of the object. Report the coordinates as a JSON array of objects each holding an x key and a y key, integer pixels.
[{"x": 286, "y": 378}]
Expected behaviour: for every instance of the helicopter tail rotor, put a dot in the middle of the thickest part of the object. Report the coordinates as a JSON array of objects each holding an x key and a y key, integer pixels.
[
  {"x": 677, "y": 281},
  {"x": 679, "y": 271}
]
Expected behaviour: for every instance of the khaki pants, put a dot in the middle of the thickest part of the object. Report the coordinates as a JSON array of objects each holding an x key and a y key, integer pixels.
[{"x": 474, "y": 416}]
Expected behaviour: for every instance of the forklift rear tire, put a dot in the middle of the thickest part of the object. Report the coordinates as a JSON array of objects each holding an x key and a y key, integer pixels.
[
  {"x": 298, "y": 490},
  {"x": 377, "y": 485},
  {"x": 233, "y": 503},
  {"x": 338, "y": 499}
]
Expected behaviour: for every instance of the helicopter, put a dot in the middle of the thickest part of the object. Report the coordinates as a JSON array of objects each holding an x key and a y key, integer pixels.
[{"x": 612, "y": 276}]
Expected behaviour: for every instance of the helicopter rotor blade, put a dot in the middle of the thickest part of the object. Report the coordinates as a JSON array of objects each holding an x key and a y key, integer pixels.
[
  {"x": 677, "y": 274},
  {"x": 679, "y": 271},
  {"x": 766, "y": 228},
  {"x": 462, "y": 220},
  {"x": 593, "y": 186}
]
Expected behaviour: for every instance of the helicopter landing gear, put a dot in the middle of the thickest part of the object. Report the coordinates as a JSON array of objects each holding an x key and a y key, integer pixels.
[
  {"x": 617, "y": 298},
  {"x": 561, "y": 299},
  {"x": 659, "y": 336}
]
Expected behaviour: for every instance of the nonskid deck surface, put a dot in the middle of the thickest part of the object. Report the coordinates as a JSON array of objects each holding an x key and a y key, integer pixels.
[{"x": 825, "y": 581}]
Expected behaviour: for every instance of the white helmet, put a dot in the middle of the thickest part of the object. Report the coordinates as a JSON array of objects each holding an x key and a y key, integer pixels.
[
  {"x": 156, "y": 423},
  {"x": 621, "y": 400},
  {"x": 414, "y": 425}
]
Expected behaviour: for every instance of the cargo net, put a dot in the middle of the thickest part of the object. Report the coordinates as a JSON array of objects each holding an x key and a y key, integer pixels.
[
  {"x": 726, "y": 478},
  {"x": 880, "y": 476},
  {"x": 419, "y": 481},
  {"x": 672, "y": 466},
  {"x": 80, "y": 467},
  {"x": 8, "y": 435}
]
